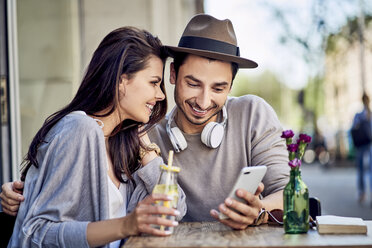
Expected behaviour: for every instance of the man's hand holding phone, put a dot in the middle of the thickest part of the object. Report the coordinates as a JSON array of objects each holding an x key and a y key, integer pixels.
[
  {"x": 240, "y": 215},
  {"x": 241, "y": 208}
]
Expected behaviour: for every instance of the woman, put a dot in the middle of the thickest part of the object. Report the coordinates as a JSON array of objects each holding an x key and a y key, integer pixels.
[{"x": 82, "y": 172}]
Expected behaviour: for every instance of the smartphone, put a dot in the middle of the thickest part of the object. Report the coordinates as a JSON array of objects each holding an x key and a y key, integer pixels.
[{"x": 249, "y": 179}]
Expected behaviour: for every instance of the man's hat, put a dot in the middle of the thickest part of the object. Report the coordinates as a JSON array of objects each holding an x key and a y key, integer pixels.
[{"x": 209, "y": 37}]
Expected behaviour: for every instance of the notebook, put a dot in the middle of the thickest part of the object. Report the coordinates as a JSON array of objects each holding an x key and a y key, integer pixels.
[{"x": 328, "y": 224}]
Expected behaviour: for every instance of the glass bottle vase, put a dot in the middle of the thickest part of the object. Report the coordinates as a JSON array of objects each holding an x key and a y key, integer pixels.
[{"x": 296, "y": 204}]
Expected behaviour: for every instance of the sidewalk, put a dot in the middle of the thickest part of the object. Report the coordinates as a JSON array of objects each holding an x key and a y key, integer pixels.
[{"x": 336, "y": 189}]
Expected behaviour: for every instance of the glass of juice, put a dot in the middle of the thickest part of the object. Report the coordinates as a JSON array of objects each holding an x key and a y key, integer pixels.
[{"x": 167, "y": 185}]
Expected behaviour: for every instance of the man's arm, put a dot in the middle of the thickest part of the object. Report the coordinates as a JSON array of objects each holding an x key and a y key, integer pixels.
[
  {"x": 265, "y": 147},
  {"x": 241, "y": 215},
  {"x": 11, "y": 196},
  {"x": 249, "y": 211},
  {"x": 273, "y": 201}
]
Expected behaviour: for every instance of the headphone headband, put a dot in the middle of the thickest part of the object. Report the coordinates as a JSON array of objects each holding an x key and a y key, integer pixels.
[
  {"x": 224, "y": 116},
  {"x": 170, "y": 117},
  {"x": 211, "y": 136}
]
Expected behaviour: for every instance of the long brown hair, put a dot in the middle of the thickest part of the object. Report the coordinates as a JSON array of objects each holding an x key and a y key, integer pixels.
[{"x": 125, "y": 50}]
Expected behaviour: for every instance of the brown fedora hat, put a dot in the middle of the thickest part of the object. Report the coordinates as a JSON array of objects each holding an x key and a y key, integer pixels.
[{"x": 209, "y": 37}]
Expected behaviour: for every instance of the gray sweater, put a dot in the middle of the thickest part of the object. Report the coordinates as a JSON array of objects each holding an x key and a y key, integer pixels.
[
  {"x": 69, "y": 189},
  {"x": 252, "y": 137}
]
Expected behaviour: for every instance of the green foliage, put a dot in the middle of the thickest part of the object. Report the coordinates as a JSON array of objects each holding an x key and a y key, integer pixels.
[
  {"x": 349, "y": 33},
  {"x": 314, "y": 96},
  {"x": 271, "y": 89}
]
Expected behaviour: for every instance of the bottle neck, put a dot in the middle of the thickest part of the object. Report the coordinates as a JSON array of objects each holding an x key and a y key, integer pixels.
[
  {"x": 295, "y": 172},
  {"x": 168, "y": 177}
]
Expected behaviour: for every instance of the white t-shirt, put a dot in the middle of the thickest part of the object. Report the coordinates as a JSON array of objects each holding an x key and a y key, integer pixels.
[{"x": 117, "y": 204}]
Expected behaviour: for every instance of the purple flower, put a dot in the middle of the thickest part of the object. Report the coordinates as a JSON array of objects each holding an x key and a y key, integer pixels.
[
  {"x": 304, "y": 138},
  {"x": 292, "y": 147},
  {"x": 296, "y": 150},
  {"x": 294, "y": 163},
  {"x": 287, "y": 134}
]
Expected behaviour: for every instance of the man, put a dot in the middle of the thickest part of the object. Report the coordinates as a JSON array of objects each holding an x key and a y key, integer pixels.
[
  {"x": 361, "y": 133},
  {"x": 215, "y": 136}
]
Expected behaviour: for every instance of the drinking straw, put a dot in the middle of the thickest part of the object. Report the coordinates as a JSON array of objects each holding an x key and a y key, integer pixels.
[
  {"x": 170, "y": 161},
  {"x": 167, "y": 180},
  {"x": 170, "y": 158}
]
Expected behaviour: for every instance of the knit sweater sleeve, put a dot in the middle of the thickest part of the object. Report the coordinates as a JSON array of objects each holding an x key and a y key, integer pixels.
[
  {"x": 69, "y": 189},
  {"x": 267, "y": 147}
]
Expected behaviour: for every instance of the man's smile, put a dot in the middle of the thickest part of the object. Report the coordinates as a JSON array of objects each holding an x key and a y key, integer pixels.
[{"x": 197, "y": 112}]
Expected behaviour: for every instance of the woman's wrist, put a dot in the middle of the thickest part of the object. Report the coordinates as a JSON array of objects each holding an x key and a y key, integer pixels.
[
  {"x": 106, "y": 231},
  {"x": 128, "y": 228},
  {"x": 148, "y": 153},
  {"x": 151, "y": 155}
]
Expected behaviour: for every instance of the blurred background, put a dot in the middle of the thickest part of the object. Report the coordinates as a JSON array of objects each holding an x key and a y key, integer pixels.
[{"x": 314, "y": 56}]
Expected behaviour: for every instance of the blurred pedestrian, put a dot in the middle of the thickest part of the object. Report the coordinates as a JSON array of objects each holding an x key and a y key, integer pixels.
[
  {"x": 320, "y": 147},
  {"x": 361, "y": 134}
]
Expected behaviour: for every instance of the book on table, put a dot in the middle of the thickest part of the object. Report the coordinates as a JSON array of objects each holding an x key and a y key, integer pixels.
[{"x": 328, "y": 224}]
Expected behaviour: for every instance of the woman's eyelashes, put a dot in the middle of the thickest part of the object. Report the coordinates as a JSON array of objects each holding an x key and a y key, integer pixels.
[{"x": 156, "y": 82}]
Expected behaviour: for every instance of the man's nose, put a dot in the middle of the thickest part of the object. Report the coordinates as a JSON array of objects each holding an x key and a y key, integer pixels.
[{"x": 204, "y": 99}]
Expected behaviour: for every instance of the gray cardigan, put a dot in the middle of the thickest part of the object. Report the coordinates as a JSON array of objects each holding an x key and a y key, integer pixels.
[{"x": 69, "y": 188}]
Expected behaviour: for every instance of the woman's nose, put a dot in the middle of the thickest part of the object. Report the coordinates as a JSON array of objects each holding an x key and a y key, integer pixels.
[{"x": 160, "y": 96}]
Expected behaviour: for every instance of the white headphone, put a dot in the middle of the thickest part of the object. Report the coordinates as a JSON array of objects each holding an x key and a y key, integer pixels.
[{"x": 211, "y": 135}]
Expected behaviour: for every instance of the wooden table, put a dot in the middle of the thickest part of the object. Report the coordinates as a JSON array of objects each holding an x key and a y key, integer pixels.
[{"x": 214, "y": 234}]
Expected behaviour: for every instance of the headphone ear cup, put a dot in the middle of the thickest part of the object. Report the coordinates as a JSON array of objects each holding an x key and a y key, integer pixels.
[
  {"x": 205, "y": 133},
  {"x": 212, "y": 134},
  {"x": 179, "y": 138}
]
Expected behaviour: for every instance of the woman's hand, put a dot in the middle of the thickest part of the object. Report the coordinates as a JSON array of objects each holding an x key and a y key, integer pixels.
[
  {"x": 11, "y": 197},
  {"x": 147, "y": 213},
  {"x": 149, "y": 155},
  {"x": 139, "y": 221}
]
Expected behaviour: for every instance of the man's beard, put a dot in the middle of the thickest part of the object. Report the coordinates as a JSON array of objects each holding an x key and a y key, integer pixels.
[{"x": 180, "y": 107}]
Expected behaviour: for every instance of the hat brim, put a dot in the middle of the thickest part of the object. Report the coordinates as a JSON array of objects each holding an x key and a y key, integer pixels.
[{"x": 242, "y": 62}]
